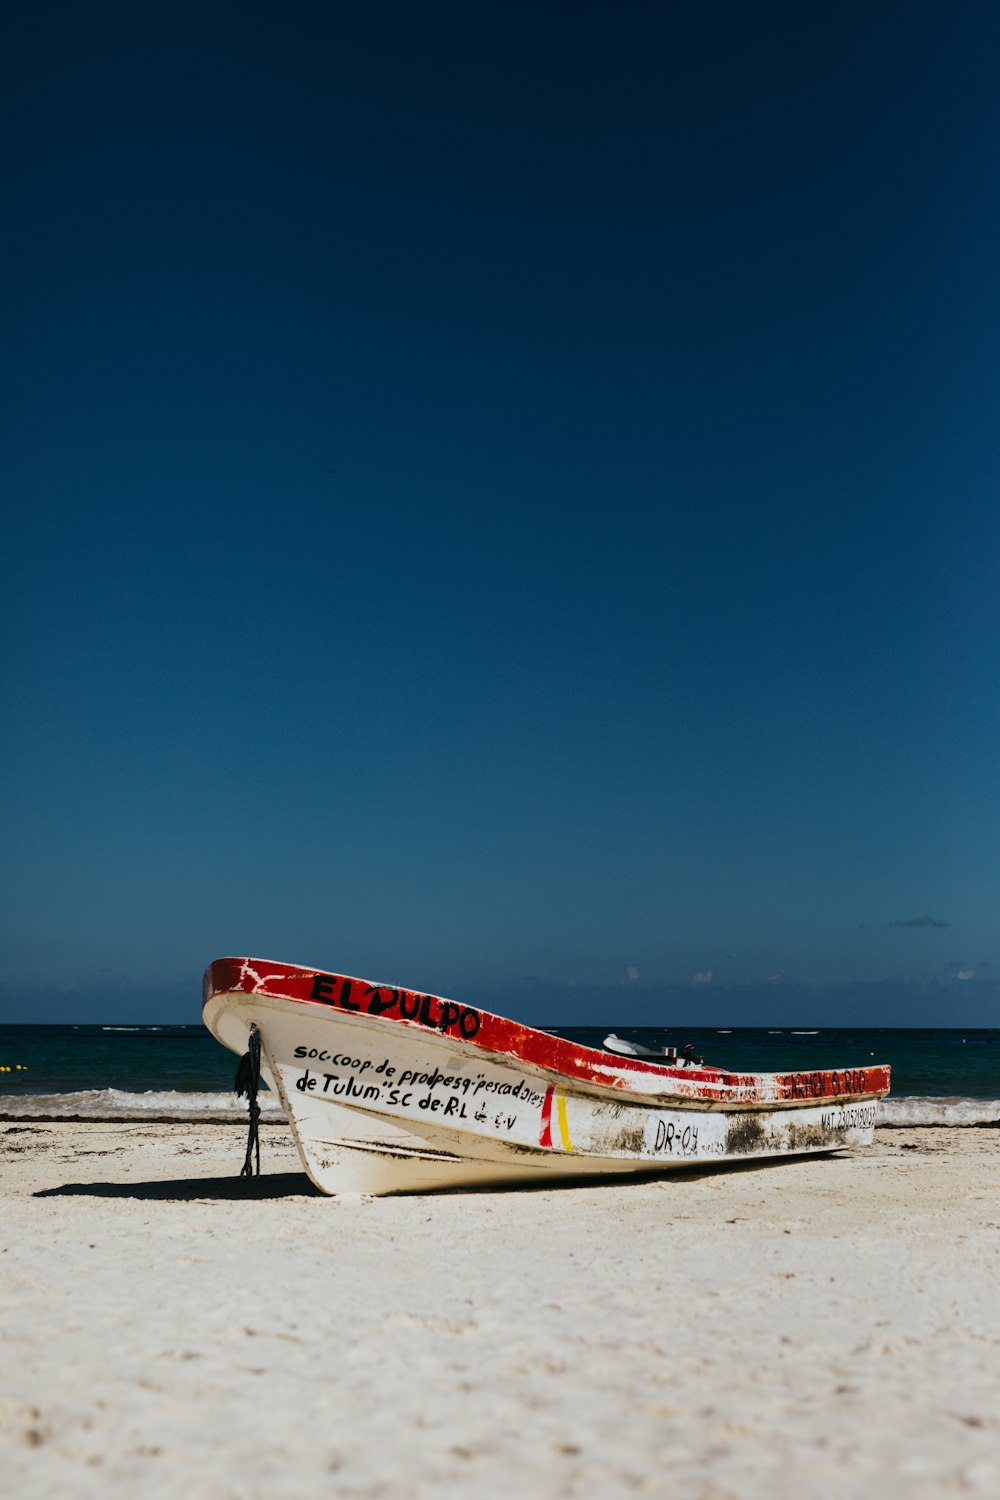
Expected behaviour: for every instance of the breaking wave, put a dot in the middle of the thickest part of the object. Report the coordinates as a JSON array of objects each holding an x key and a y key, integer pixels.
[
  {"x": 899, "y": 1112},
  {"x": 118, "y": 1104}
]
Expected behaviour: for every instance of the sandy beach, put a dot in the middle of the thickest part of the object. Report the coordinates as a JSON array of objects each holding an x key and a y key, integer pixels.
[{"x": 820, "y": 1327}]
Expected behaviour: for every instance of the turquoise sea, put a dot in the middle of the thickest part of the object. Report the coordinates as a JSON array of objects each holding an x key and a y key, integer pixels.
[{"x": 939, "y": 1077}]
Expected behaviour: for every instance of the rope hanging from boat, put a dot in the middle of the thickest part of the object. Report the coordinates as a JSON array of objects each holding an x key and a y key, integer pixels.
[{"x": 247, "y": 1082}]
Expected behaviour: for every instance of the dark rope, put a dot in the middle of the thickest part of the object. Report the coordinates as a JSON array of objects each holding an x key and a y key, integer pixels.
[{"x": 247, "y": 1082}]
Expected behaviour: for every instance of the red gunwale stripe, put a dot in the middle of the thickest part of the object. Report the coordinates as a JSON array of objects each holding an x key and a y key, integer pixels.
[{"x": 523, "y": 1043}]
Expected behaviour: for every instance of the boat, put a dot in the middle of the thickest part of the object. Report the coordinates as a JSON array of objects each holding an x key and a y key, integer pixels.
[{"x": 390, "y": 1090}]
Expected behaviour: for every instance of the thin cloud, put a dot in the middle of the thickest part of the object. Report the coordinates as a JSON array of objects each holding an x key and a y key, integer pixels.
[
  {"x": 704, "y": 977},
  {"x": 919, "y": 922}
]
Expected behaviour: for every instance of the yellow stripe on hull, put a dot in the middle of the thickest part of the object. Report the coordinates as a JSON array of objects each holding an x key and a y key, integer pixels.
[{"x": 561, "y": 1120}]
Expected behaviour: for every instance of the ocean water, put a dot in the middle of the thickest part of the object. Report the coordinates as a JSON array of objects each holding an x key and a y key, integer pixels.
[{"x": 939, "y": 1077}]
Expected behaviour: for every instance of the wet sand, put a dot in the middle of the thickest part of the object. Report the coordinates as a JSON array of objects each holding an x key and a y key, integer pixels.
[{"x": 825, "y": 1327}]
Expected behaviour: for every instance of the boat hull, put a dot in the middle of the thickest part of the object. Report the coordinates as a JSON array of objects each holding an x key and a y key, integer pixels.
[{"x": 380, "y": 1101}]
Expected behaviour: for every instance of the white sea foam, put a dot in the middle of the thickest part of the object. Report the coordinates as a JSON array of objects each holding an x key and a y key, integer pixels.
[
  {"x": 939, "y": 1112},
  {"x": 118, "y": 1104}
]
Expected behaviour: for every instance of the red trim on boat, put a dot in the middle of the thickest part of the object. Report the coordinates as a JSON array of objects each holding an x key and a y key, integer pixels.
[
  {"x": 545, "y": 1133},
  {"x": 390, "y": 1004}
]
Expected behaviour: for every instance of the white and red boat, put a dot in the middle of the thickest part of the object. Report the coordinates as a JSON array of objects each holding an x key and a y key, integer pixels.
[{"x": 389, "y": 1090}]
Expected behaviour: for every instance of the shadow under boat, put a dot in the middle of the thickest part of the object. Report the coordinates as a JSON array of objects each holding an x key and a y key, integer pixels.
[
  {"x": 191, "y": 1189},
  {"x": 298, "y": 1185}
]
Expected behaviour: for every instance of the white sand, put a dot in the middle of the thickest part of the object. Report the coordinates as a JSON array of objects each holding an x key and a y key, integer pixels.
[{"x": 823, "y": 1328}]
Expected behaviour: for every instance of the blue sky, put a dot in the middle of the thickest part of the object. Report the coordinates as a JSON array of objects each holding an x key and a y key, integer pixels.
[{"x": 503, "y": 499}]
